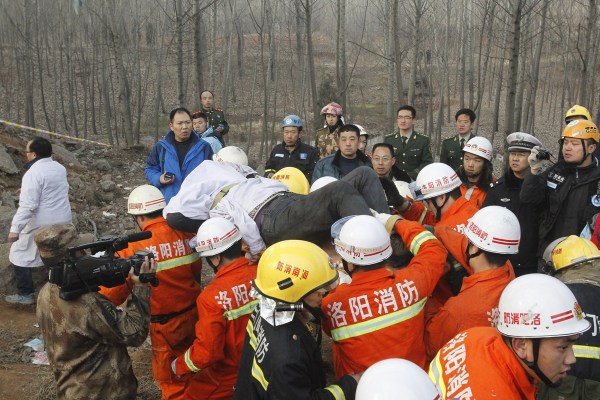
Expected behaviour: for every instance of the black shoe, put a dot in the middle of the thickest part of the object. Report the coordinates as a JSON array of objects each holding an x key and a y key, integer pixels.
[{"x": 394, "y": 198}]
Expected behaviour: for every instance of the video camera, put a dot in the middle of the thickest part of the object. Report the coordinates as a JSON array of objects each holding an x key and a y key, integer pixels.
[{"x": 78, "y": 275}]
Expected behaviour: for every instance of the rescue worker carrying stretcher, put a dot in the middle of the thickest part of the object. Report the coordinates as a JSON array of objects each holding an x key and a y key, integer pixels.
[
  {"x": 224, "y": 307},
  {"x": 281, "y": 358},
  {"x": 538, "y": 321},
  {"x": 380, "y": 313}
]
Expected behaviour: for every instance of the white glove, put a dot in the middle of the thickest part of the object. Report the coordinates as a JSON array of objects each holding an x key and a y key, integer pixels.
[
  {"x": 534, "y": 163},
  {"x": 381, "y": 217}
]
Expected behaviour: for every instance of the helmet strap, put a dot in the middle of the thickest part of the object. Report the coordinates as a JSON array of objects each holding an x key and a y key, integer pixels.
[
  {"x": 346, "y": 268},
  {"x": 212, "y": 265},
  {"x": 469, "y": 256},
  {"x": 534, "y": 365},
  {"x": 438, "y": 209}
]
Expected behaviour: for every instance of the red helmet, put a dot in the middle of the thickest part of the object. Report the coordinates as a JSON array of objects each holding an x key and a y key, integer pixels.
[{"x": 332, "y": 108}]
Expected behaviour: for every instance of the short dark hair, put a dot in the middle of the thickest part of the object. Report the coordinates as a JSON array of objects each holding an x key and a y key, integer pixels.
[
  {"x": 209, "y": 91},
  {"x": 466, "y": 111},
  {"x": 371, "y": 267},
  {"x": 41, "y": 147},
  {"x": 412, "y": 110},
  {"x": 496, "y": 259},
  {"x": 350, "y": 128},
  {"x": 234, "y": 252},
  {"x": 154, "y": 214},
  {"x": 386, "y": 145},
  {"x": 179, "y": 110},
  {"x": 199, "y": 114}
]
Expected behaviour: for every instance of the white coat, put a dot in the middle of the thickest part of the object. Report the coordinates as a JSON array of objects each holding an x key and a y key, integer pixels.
[
  {"x": 44, "y": 200},
  {"x": 201, "y": 186}
]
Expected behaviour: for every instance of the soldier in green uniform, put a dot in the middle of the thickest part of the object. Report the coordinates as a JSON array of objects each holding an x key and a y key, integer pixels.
[
  {"x": 327, "y": 137},
  {"x": 216, "y": 116},
  {"x": 411, "y": 149},
  {"x": 452, "y": 148}
]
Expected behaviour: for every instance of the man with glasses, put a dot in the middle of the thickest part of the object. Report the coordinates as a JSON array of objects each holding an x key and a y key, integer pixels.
[
  {"x": 411, "y": 149},
  {"x": 384, "y": 163},
  {"x": 176, "y": 155}
]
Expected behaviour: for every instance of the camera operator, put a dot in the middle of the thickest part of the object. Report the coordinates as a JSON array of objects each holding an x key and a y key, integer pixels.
[
  {"x": 86, "y": 338},
  {"x": 568, "y": 193}
]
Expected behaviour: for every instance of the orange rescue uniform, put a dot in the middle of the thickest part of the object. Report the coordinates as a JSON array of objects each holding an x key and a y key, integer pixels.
[
  {"x": 477, "y": 364},
  {"x": 224, "y": 308},
  {"x": 474, "y": 194},
  {"x": 379, "y": 314},
  {"x": 476, "y": 302},
  {"x": 178, "y": 272}
]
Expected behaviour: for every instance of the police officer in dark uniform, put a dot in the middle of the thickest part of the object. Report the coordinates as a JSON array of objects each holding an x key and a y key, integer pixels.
[
  {"x": 291, "y": 152},
  {"x": 452, "y": 148},
  {"x": 505, "y": 192},
  {"x": 411, "y": 149},
  {"x": 215, "y": 116}
]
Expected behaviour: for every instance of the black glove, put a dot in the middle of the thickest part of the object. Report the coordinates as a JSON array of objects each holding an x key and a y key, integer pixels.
[{"x": 394, "y": 198}]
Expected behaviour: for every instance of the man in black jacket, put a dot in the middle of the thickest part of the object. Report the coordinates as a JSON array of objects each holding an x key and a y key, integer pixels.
[
  {"x": 568, "y": 194},
  {"x": 291, "y": 152},
  {"x": 505, "y": 192},
  {"x": 281, "y": 357}
]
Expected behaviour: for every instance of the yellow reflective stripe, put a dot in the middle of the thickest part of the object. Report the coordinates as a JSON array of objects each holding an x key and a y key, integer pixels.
[
  {"x": 177, "y": 262},
  {"x": 423, "y": 214},
  {"x": 435, "y": 373},
  {"x": 418, "y": 240},
  {"x": 251, "y": 336},
  {"x": 189, "y": 362},
  {"x": 336, "y": 392},
  {"x": 243, "y": 310},
  {"x": 378, "y": 323},
  {"x": 258, "y": 374},
  {"x": 586, "y": 351}
]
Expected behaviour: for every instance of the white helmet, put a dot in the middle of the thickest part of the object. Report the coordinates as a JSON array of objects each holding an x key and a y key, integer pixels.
[
  {"x": 395, "y": 378},
  {"x": 322, "y": 181},
  {"x": 215, "y": 236},
  {"x": 362, "y": 240},
  {"x": 232, "y": 154},
  {"x": 539, "y": 306},
  {"x": 362, "y": 130},
  {"x": 479, "y": 146},
  {"x": 144, "y": 200},
  {"x": 495, "y": 229},
  {"x": 436, "y": 179}
]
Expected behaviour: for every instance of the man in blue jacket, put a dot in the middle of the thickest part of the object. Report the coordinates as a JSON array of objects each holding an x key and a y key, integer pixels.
[{"x": 176, "y": 155}]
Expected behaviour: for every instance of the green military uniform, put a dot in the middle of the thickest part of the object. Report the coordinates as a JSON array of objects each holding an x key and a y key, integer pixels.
[
  {"x": 326, "y": 141},
  {"x": 216, "y": 117},
  {"x": 452, "y": 153},
  {"x": 412, "y": 156}
]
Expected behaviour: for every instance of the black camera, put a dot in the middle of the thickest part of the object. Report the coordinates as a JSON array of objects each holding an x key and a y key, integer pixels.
[
  {"x": 543, "y": 154},
  {"x": 78, "y": 275}
]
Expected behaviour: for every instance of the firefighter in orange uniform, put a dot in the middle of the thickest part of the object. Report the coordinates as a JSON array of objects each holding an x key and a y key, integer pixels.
[
  {"x": 491, "y": 236},
  {"x": 379, "y": 314},
  {"x": 224, "y": 308},
  {"x": 172, "y": 304},
  {"x": 438, "y": 186},
  {"x": 538, "y": 322}
]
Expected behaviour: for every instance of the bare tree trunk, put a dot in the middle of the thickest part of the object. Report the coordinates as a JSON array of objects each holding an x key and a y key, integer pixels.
[
  {"x": 391, "y": 42},
  {"x": 29, "y": 73},
  {"x": 307, "y": 5},
  {"x": 199, "y": 50},
  {"x": 230, "y": 10},
  {"x": 341, "y": 62},
  {"x": 513, "y": 66},
  {"x": 179, "y": 42},
  {"x": 416, "y": 37},
  {"x": 588, "y": 34},
  {"x": 398, "y": 56},
  {"x": 463, "y": 56}
]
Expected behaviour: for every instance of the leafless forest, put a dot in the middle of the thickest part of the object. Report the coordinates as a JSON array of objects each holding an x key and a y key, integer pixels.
[{"x": 112, "y": 69}]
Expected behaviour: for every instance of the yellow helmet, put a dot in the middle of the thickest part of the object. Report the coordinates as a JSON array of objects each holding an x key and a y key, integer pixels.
[
  {"x": 290, "y": 270},
  {"x": 581, "y": 129},
  {"x": 294, "y": 179},
  {"x": 573, "y": 250},
  {"x": 577, "y": 111}
]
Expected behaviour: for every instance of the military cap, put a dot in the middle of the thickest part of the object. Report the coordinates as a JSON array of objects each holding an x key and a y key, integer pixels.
[
  {"x": 53, "y": 240},
  {"x": 521, "y": 141}
]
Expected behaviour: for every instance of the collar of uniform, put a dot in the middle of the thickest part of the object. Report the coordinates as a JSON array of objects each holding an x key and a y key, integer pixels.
[
  {"x": 504, "y": 272},
  {"x": 360, "y": 277},
  {"x": 154, "y": 221},
  {"x": 455, "y": 208},
  {"x": 400, "y": 135},
  {"x": 511, "y": 180},
  {"x": 241, "y": 262}
]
